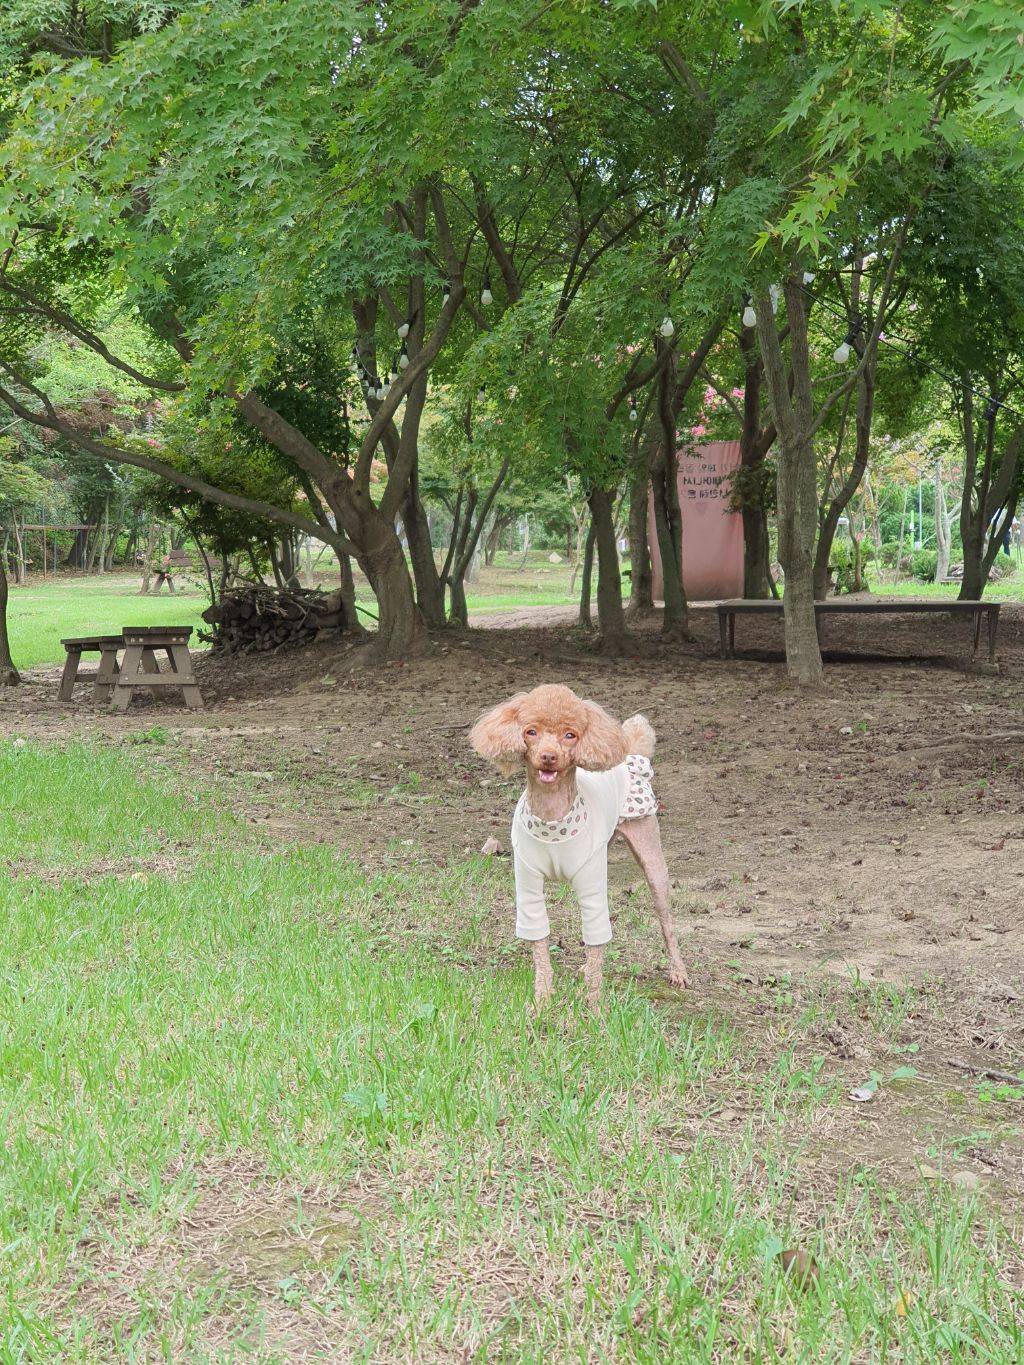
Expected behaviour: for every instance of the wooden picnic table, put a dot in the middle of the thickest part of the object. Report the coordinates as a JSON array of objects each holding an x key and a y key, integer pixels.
[
  {"x": 139, "y": 667},
  {"x": 106, "y": 646},
  {"x": 743, "y": 606},
  {"x": 116, "y": 680}
]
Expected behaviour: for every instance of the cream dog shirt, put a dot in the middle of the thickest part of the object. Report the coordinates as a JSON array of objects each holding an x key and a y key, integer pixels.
[{"x": 575, "y": 848}]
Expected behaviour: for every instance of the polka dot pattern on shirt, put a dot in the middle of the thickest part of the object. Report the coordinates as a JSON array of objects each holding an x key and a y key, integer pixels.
[
  {"x": 555, "y": 831},
  {"x": 640, "y": 799}
]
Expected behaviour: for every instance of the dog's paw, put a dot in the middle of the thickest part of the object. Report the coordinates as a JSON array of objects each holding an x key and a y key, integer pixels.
[{"x": 677, "y": 976}]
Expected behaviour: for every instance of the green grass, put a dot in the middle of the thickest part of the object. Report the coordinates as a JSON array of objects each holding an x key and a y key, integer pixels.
[
  {"x": 259, "y": 1102},
  {"x": 46, "y": 611},
  {"x": 1010, "y": 589}
]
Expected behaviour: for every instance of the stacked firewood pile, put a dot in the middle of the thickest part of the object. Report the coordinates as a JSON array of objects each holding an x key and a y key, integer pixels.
[{"x": 252, "y": 618}]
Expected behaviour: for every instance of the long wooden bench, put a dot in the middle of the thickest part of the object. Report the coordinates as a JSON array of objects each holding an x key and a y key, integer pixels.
[{"x": 834, "y": 606}]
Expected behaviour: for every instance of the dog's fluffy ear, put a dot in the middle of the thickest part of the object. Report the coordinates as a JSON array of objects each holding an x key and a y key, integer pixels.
[
  {"x": 603, "y": 743},
  {"x": 498, "y": 736}
]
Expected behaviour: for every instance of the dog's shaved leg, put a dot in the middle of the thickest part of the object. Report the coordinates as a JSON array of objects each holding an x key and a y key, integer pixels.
[
  {"x": 593, "y": 973},
  {"x": 643, "y": 837},
  {"x": 543, "y": 973}
]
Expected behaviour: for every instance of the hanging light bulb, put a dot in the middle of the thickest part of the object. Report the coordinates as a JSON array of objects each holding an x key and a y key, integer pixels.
[
  {"x": 403, "y": 330},
  {"x": 842, "y": 352},
  {"x": 632, "y": 409},
  {"x": 667, "y": 327},
  {"x": 481, "y": 393},
  {"x": 446, "y": 292},
  {"x": 486, "y": 297},
  {"x": 808, "y": 277},
  {"x": 403, "y": 357},
  {"x": 749, "y": 316},
  {"x": 393, "y": 377},
  {"x": 775, "y": 293}
]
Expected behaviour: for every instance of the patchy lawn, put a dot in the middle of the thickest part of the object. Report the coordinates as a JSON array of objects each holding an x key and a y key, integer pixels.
[{"x": 276, "y": 1101}]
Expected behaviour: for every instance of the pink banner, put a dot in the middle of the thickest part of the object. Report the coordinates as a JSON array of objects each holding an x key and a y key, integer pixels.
[{"x": 712, "y": 535}]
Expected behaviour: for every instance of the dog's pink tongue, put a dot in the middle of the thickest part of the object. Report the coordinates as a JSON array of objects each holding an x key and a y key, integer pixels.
[{"x": 546, "y": 776}]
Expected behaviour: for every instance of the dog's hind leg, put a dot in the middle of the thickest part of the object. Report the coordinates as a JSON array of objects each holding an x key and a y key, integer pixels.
[{"x": 643, "y": 838}]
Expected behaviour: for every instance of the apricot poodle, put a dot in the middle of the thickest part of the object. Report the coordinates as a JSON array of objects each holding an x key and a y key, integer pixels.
[{"x": 588, "y": 778}]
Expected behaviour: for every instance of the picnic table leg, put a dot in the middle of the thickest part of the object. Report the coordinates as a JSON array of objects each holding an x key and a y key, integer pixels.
[
  {"x": 106, "y": 675},
  {"x": 181, "y": 662},
  {"x": 977, "y": 633},
  {"x": 723, "y": 637},
  {"x": 67, "y": 681},
  {"x": 131, "y": 668},
  {"x": 732, "y": 635},
  {"x": 993, "y": 626},
  {"x": 149, "y": 663}
]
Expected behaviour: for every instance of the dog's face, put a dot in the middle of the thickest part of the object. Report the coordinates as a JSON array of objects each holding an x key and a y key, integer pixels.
[{"x": 551, "y": 731}]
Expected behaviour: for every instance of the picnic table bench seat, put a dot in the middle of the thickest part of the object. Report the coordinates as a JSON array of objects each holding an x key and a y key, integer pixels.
[
  {"x": 106, "y": 646},
  {"x": 834, "y": 606}
]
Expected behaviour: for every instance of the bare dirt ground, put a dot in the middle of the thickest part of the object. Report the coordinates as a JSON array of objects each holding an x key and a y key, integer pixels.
[{"x": 871, "y": 835}]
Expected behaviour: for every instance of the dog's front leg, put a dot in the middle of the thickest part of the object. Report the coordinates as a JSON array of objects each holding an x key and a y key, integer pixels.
[
  {"x": 543, "y": 972},
  {"x": 593, "y": 973}
]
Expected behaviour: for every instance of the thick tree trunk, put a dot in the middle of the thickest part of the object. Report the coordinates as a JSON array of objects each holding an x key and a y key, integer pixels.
[
  {"x": 587, "y": 580},
  {"x": 641, "y": 582},
  {"x": 798, "y": 515},
  {"x": 400, "y": 627},
  {"x": 611, "y": 620},
  {"x": 8, "y": 673},
  {"x": 755, "y": 551}
]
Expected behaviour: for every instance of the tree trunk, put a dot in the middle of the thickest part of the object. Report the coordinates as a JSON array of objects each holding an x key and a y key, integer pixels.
[
  {"x": 641, "y": 582},
  {"x": 611, "y": 620},
  {"x": 798, "y": 515},
  {"x": 797, "y": 478},
  {"x": 147, "y": 571},
  {"x": 500, "y": 524},
  {"x": 668, "y": 515},
  {"x": 755, "y": 551},
  {"x": 8, "y": 673},
  {"x": 587, "y": 580},
  {"x": 348, "y": 593},
  {"x": 474, "y": 518},
  {"x": 429, "y": 584},
  {"x": 400, "y": 626}
]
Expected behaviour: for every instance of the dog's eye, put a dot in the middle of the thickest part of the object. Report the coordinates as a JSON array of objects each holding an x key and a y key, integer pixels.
[
  {"x": 531, "y": 733},
  {"x": 571, "y": 734}
]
